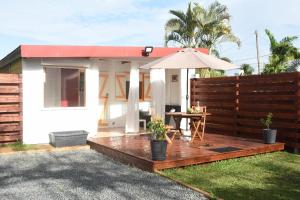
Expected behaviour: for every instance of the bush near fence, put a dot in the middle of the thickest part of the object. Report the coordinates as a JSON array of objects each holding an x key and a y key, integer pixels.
[{"x": 238, "y": 103}]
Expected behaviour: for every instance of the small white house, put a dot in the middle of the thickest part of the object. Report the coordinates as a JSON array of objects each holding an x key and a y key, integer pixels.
[{"x": 84, "y": 87}]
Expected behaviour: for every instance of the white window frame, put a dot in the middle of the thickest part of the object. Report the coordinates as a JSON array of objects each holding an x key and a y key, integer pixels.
[{"x": 67, "y": 107}]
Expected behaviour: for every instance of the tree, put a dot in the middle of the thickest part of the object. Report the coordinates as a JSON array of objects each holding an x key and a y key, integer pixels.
[
  {"x": 182, "y": 28},
  {"x": 208, "y": 73},
  {"x": 282, "y": 53},
  {"x": 200, "y": 27},
  {"x": 247, "y": 69},
  {"x": 213, "y": 26}
]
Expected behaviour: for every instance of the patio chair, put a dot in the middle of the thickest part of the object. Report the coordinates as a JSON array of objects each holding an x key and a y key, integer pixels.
[
  {"x": 198, "y": 126},
  {"x": 173, "y": 132}
]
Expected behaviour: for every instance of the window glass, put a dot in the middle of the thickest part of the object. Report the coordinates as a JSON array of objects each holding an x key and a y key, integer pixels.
[{"x": 64, "y": 87}]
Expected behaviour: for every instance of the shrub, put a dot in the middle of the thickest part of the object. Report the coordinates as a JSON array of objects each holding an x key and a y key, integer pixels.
[
  {"x": 268, "y": 121},
  {"x": 157, "y": 129}
]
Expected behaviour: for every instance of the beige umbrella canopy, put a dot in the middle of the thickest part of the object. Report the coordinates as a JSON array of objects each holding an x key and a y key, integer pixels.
[{"x": 189, "y": 58}]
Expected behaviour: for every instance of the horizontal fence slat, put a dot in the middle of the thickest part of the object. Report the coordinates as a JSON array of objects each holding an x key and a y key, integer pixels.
[
  {"x": 264, "y": 88},
  {"x": 215, "y": 97},
  {"x": 10, "y": 118},
  {"x": 10, "y": 133},
  {"x": 276, "y": 115},
  {"x": 10, "y": 127},
  {"x": 266, "y": 107},
  {"x": 10, "y": 79},
  {"x": 7, "y": 89},
  {"x": 10, "y": 99},
  {"x": 220, "y": 119},
  {"x": 261, "y": 97},
  {"x": 257, "y": 123},
  {"x": 10, "y": 138},
  {"x": 10, "y": 108},
  {"x": 214, "y": 88}
]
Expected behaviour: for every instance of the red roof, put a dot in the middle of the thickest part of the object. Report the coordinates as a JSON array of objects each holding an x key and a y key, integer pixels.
[
  {"x": 59, "y": 51},
  {"x": 41, "y": 51}
]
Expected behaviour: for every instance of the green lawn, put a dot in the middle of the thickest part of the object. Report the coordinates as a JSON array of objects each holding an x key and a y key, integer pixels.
[{"x": 267, "y": 176}]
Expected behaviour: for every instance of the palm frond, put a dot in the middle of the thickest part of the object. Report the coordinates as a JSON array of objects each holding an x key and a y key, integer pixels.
[
  {"x": 231, "y": 38},
  {"x": 179, "y": 14},
  {"x": 294, "y": 65},
  {"x": 289, "y": 39},
  {"x": 173, "y": 24},
  {"x": 272, "y": 39}
]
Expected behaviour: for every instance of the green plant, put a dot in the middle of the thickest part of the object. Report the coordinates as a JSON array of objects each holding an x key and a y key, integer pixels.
[
  {"x": 247, "y": 69},
  {"x": 268, "y": 121},
  {"x": 158, "y": 129},
  {"x": 19, "y": 146},
  {"x": 283, "y": 54}
]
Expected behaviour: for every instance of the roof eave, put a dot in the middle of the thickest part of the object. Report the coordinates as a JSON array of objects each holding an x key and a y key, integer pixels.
[{"x": 11, "y": 57}]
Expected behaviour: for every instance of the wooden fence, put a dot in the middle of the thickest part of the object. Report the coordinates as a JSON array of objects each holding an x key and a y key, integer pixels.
[
  {"x": 238, "y": 103},
  {"x": 10, "y": 108}
]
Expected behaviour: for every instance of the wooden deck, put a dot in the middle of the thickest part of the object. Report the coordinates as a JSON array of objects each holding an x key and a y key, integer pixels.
[{"x": 135, "y": 150}]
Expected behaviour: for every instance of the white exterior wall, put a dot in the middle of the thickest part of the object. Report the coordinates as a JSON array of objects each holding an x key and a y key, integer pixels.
[
  {"x": 38, "y": 121},
  {"x": 173, "y": 93}
]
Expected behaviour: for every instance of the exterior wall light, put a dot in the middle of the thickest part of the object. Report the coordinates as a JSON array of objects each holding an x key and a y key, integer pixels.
[{"x": 147, "y": 50}]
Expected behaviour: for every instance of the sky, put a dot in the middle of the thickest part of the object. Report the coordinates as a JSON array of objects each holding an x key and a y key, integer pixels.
[{"x": 138, "y": 23}]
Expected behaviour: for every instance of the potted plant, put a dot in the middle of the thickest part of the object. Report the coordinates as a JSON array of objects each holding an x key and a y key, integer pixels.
[
  {"x": 158, "y": 139},
  {"x": 269, "y": 135}
]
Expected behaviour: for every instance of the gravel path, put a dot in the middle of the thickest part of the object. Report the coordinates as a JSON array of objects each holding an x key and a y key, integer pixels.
[{"x": 83, "y": 174}]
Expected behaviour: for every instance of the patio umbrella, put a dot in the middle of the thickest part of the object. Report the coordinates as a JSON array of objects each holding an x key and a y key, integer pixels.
[{"x": 189, "y": 58}]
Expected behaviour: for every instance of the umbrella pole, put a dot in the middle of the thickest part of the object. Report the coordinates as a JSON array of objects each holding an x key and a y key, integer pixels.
[{"x": 187, "y": 96}]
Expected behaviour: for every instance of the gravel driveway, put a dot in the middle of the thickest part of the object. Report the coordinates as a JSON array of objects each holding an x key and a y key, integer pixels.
[{"x": 82, "y": 174}]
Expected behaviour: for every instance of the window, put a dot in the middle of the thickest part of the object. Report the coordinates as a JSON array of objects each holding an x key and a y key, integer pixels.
[
  {"x": 64, "y": 87},
  {"x": 123, "y": 85}
]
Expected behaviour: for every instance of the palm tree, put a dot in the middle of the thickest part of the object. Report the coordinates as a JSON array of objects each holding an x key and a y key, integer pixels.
[
  {"x": 282, "y": 53},
  {"x": 213, "y": 26},
  {"x": 200, "y": 27},
  {"x": 182, "y": 28},
  {"x": 247, "y": 69}
]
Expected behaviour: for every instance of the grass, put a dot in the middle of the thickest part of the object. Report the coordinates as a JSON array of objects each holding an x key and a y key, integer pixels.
[
  {"x": 267, "y": 176},
  {"x": 19, "y": 146}
]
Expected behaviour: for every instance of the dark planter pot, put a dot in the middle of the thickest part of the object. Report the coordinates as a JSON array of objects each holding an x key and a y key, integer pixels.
[
  {"x": 269, "y": 136},
  {"x": 158, "y": 149}
]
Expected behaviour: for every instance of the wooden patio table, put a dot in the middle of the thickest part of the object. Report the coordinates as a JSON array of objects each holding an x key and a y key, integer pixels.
[{"x": 195, "y": 120}]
